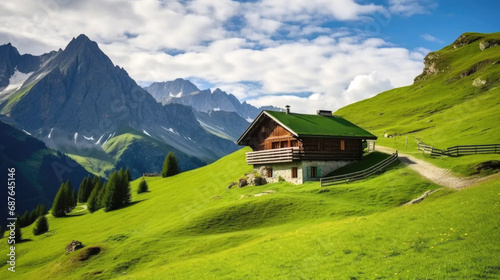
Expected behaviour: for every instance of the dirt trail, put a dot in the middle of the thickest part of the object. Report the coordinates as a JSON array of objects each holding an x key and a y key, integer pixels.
[
  {"x": 84, "y": 207},
  {"x": 435, "y": 174}
]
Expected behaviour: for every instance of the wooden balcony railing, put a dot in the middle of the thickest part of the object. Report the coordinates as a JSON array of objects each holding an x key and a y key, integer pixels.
[
  {"x": 296, "y": 153},
  {"x": 273, "y": 156}
]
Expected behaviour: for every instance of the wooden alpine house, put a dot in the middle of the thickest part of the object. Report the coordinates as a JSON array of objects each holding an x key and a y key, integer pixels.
[{"x": 300, "y": 147}]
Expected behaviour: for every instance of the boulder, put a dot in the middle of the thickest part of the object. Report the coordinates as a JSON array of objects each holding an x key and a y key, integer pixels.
[
  {"x": 73, "y": 246},
  {"x": 259, "y": 181},
  {"x": 478, "y": 82},
  {"x": 242, "y": 183}
]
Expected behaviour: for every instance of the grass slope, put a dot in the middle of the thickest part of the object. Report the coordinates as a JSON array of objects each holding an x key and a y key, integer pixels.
[
  {"x": 443, "y": 109},
  {"x": 193, "y": 215}
]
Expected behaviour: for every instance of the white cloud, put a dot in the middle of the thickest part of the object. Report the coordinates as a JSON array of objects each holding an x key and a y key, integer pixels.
[
  {"x": 266, "y": 52},
  {"x": 411, "y": 7},
  {"x": 431, "y": 38},
  {"x": 366, "y": 85}
]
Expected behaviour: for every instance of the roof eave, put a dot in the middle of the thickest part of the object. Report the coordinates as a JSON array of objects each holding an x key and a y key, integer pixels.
[
  {"x": 257, "y": 119},
  {"x": 280, "y": 123}
]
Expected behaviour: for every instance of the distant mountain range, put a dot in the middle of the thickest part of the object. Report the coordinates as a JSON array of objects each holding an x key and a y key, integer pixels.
[
  {"x": 76, "y": 101},
  {"x": 184, "y": 92}
]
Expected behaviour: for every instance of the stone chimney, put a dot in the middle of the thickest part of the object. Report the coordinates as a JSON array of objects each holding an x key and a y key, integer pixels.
[{"x": 287, "y": 109}]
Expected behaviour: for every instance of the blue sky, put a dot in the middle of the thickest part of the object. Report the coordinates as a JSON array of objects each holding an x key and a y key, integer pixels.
[{"x": 311, "y": 54}]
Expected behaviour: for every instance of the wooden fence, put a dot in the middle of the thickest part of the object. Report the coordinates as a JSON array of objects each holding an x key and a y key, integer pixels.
[
  {"x": 473, "y": 149},
  {"x": 345, "y": 178},
  {"x": 456, "y": 151}
]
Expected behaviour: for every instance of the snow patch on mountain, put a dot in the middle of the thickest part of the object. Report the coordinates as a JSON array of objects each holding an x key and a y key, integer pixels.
[
  {"x": 76, "y": 136},
  {"x": 16, "y": 81},
  {"x": 145, "y": 132},
  {"x": 109, "y": 137},
  {"x": 26, "y": 132},
  {"x": 91, "y": 138},
  {"x": 50, "y": 133},
  {"x": 170, "y": 130},
  {"x": 176, "y": 95}
]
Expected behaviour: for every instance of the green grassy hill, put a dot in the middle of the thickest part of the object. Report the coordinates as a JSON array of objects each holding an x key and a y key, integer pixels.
[
  {"x": 455, "y": 101},
  {"x": 191, "y": 226}
]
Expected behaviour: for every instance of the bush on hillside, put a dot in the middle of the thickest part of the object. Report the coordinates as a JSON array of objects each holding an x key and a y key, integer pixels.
[
  {"x": 41, "y": 225},
  {"x": 143, "y": 186},
  {"x": 170, "y": 166}
]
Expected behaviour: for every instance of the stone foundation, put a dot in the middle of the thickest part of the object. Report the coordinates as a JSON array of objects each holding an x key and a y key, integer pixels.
[{"x": 285, "y": 170}]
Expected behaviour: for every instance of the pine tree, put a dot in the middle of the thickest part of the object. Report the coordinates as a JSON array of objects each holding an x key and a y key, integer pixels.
[
  {"x": 66, "y": 197},
  {"x": 94, "y": 201},
  {"x": 1, "y": 232},
  {"x": 18, "y": 233},
  {"x": 170, "y": 166},
  {"x": 143, "y": 186},
  {"x": 95, "y": 180},
  {"x": 86, "y": 187},
  {"x": 41, "y": 210},
  {"x": 82, "y": 189},
  {"x": 33, "y": 216},
  {"x": 112, "y": 195},
  {"x": 129, "y": 177},
  {"x": 41, "y": 225},
  {"x": 74, "y": 200},
  {"x": 60, "y": 205},
  {"x": 24, "y": 220},
  {"x": 101, "y": 196},
  {"x": 123, "y": 187}
]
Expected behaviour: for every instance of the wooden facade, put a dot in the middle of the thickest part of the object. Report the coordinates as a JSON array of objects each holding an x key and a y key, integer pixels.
[{"x": 283, "y": 146}]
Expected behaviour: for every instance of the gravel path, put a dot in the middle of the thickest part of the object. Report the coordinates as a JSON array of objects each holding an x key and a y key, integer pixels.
[{"x": 440, "y": 176}]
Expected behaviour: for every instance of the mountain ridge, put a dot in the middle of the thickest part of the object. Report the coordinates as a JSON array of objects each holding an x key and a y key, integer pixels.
[
  {"x": 77, "y": 99},
  {"x": 184, "y": 92}
]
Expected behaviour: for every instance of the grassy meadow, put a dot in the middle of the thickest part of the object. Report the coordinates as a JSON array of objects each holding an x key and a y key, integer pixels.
[{"x": 191, "y": 226}]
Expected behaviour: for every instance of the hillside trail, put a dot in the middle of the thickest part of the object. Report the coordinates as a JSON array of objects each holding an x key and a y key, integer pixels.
[
  {"x": 437, "y": 175},
  {"x": 84, "y": 207}
]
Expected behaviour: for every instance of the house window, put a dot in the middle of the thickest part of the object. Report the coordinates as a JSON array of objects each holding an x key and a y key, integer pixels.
[
  {"x": 314, "y": 172},
  {"x": 294, "y": 143},
  {"x": 269, "y": 173},
  {"x": 342, "y": 145},
  {"x": 276, "y": 145},
  {"x": 284, "y": 144},
  {"x": 295, "y": 172}
]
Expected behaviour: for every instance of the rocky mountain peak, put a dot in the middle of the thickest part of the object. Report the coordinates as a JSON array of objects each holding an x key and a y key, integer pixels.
[{"x": 163, "y": 92}]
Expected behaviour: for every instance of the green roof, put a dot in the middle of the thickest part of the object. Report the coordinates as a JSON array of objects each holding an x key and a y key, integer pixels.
[{"x": 319, "y": 125}]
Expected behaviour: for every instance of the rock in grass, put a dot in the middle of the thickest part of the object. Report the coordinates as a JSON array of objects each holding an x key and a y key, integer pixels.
[
  {"x": 73, "y": 246},
  {"x": 242, "y": 183},
  {"x": 478, "y": 82},
  {"x": 232, "y": 185}
]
